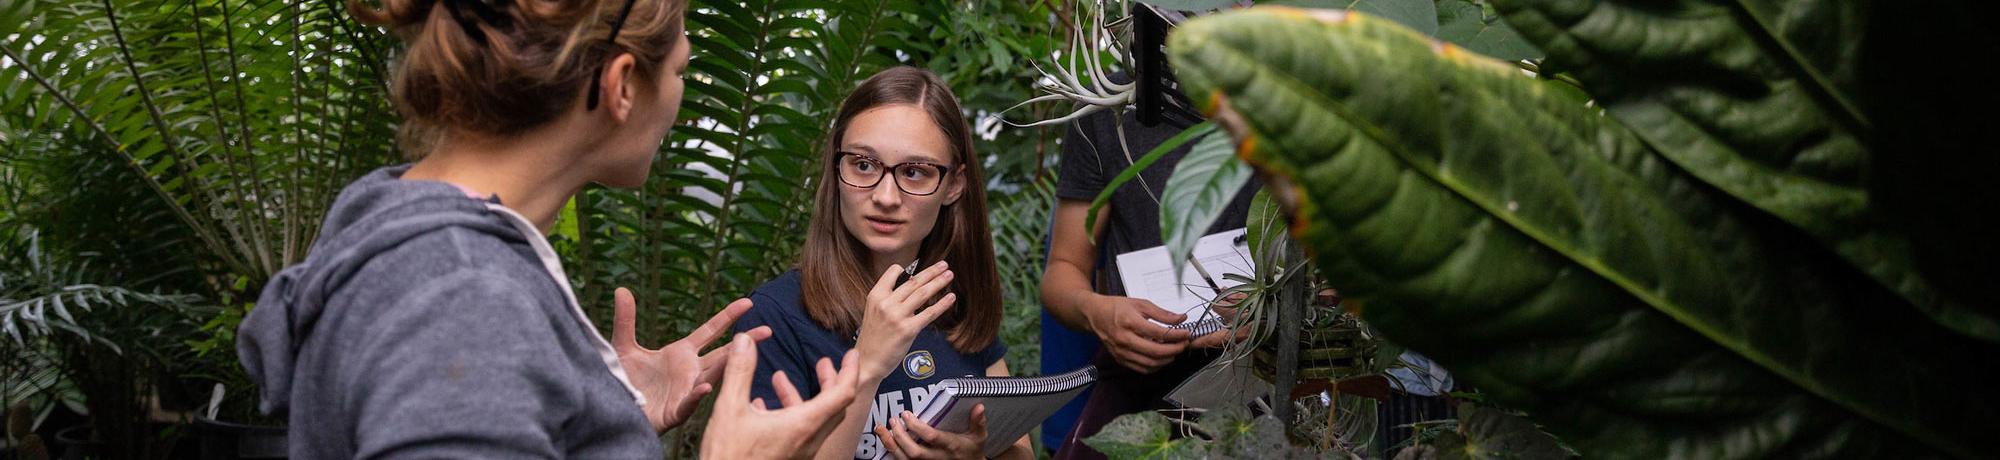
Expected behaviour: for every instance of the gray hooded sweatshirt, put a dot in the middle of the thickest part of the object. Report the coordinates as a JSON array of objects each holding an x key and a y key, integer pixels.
[{"x": 428, "y": 323}]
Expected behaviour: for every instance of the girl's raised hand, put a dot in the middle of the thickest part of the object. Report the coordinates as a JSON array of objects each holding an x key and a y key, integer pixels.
[{"x": 894, "y": 314}]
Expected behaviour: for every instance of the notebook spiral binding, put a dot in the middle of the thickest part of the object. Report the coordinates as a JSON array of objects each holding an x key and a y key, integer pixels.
[
  {"x": 1022, "y": 386},
  {"x": 1203, "y": 327}
]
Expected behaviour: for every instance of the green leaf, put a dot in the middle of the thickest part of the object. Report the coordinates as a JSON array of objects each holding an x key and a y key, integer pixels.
[
  {"x": 1773, "y": 119},
  {"x": 1239, "y": 435},
  {"x": 1265, "y": 220},
  {"x": 1203, "y": 184},
  {"x": 1152, "y": 156},
  {"x": 1142, "y": 435},
  {"x": 1466, "y": 24},
  {"x": 1553, "y": 258},
  {"x": 1492, "y": 433}
]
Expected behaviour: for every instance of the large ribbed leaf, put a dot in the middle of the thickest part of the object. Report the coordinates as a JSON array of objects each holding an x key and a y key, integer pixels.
[
  {"x": 1471, "y": 26},
  {"x": 1552, "y": 258},
  {"x": 1758, "y": 98}
]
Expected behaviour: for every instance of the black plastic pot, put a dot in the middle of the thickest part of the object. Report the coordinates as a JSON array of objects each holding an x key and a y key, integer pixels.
[{"x": 228, "y": 441}]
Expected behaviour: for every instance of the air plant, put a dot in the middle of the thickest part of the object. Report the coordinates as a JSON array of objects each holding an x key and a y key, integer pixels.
[{"x": 1091, "y": 38}]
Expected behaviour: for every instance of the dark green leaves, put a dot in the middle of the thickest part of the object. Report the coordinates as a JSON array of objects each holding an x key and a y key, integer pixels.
[
  {"x": 1223, "y": 433},
  {"x": 1553, "y": 258},
  {"x": 1482, "y": 433},
  {"x": 1203, "y": 183},
  {"x": 1759, "y": 99},
  {"x": 1143, "y": 435},
  {"x": 1476, "y": 28}
]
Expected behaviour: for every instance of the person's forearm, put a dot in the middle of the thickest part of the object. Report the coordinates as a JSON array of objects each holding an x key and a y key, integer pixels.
[
  {"x": 1066, "y": 285},
  {"x": 840, "y": 444},
  {"x": 1067, "y": 295}
]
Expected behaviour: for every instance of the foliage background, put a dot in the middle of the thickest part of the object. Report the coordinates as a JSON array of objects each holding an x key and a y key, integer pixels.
[{"x": 188, "y": 148}]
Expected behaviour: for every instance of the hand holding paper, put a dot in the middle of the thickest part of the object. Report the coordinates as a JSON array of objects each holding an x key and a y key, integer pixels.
[
  {"x": 1148, "y": 274},
  {"x": 1132, "y": 331}
]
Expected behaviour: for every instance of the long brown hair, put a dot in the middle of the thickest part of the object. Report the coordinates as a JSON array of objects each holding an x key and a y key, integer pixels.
[
  {"x": 833, "y": 264},
  {"x": 497, "y": 67}
]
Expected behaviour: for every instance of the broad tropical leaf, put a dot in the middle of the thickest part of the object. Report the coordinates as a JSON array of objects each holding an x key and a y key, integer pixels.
[
  {"x": 1773, "y": 117},
  {"x": 1471, "y": 25},
  {"x": 1203, "y": 183},
  {"x": 1551, "y": 257}
]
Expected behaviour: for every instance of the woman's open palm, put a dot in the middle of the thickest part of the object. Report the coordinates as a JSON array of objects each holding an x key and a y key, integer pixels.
[{"x": 674, "y": 378}]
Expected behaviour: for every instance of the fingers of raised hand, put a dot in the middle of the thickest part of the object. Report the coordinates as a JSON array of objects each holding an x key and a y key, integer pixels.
[
  {"x": 886, "y": 283},
  {"x": 713, "y": 363},
  {"x": 788, "y": 395},
  {"x": 719, "y": 324},
  {"x": 624, "y": 319},
  {"x": 741, "y": 368},
  {"x": 925, "y": 285},
  {"x": 931, "y": 313}
]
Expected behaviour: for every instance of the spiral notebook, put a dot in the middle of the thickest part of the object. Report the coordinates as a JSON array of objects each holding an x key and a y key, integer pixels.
[
  {"x": 1014, "y": 405},
  {"x": 1203, "y": 327}
]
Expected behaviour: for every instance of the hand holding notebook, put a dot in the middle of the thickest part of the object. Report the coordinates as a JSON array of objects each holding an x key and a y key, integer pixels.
[
  {"x": 910, "y": 437},
  {"x": 1013, "y": 405}
]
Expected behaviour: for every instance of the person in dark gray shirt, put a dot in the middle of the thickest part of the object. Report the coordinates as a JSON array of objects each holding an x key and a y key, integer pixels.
[{"x": 1139, "y": 361}]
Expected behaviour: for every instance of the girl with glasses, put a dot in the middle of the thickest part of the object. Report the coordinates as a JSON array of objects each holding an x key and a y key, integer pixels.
[
  {"x": 432, "y": 318},
  {"x": 899, "y": 185}
]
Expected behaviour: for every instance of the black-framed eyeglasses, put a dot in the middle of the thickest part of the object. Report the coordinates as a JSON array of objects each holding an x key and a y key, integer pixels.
[
  {"x": 590, "y": 103},
  {"x": 915, "y": 177}
]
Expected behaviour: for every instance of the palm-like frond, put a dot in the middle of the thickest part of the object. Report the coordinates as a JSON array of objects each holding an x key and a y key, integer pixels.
[
  {"x": 239, "y": 120},
  {"x": 40, "y": 296}
]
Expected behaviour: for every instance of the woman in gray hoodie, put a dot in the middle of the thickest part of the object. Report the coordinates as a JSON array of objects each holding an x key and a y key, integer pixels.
[{"x": 433, "y": 320}]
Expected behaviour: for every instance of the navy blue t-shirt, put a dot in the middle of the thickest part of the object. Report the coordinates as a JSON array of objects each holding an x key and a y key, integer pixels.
[{"x": 797, "y": 343}]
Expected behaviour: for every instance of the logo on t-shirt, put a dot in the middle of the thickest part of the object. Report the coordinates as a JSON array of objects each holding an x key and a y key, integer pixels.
[{"x": 919, "y": 365}]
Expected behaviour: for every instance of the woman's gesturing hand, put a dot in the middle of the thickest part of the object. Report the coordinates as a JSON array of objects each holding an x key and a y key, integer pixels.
[
  {"x": 674, "y": 378},
  {"x": 741, "y": 427},
  {"x": 894, "y": 314}
]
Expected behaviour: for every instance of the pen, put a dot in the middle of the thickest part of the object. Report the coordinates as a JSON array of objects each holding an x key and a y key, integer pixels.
[{"x": 908, "y": 272}]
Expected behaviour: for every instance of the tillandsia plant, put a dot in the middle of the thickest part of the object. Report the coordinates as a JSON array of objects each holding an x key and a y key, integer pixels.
[{"x": 1700, "y": 269}]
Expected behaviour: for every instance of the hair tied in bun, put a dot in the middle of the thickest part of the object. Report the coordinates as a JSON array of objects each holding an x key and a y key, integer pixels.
[{"x": 484, "y": 10}]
